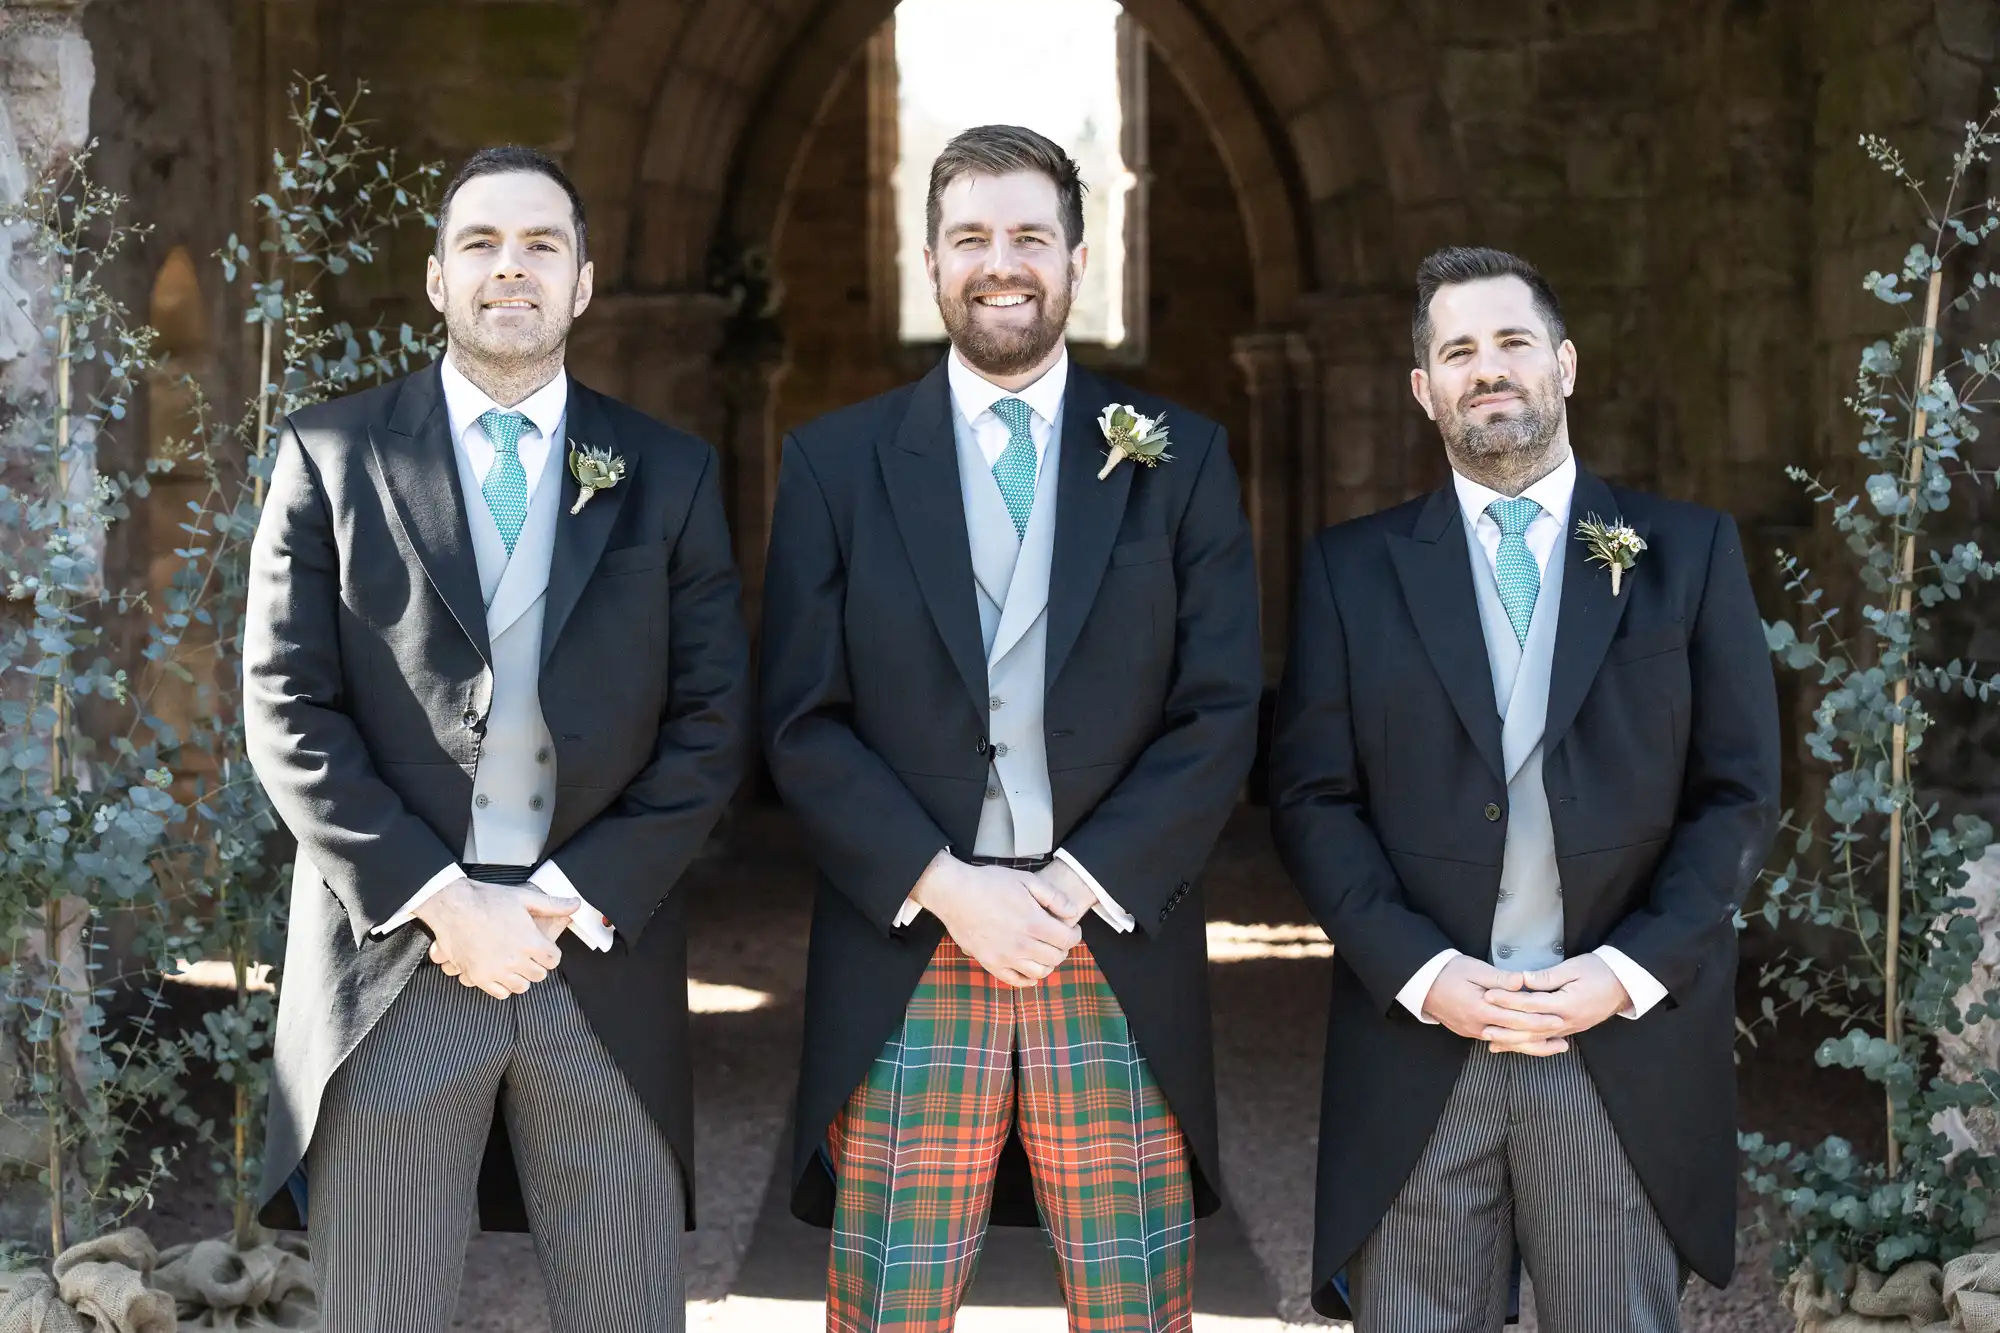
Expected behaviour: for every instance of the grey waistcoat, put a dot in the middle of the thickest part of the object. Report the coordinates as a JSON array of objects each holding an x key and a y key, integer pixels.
[
  {"x": 1011, "y": 576},
  {"x": 1528, "y": 919},
  {"x": 514, "y": 788}
]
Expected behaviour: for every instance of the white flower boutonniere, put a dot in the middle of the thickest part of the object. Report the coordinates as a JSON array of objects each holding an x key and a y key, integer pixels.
[
  {"x": 1613, "y": 545},
  {"x": 1142, "y": 439},
  {"x": 595, "y": 470}
]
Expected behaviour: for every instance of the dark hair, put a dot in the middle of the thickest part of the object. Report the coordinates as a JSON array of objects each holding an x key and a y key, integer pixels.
[
  {"x": 997, "y": 150},
  {"x": 1457, "y": 264},
  {"x": 508, "y": 158}
]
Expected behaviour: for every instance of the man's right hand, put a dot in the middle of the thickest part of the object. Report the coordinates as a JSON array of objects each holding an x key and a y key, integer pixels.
[
  {"x": 492, "y": 936},
  {"x": 991, "y": 912},
  {"x": 1458, "y": 999}
]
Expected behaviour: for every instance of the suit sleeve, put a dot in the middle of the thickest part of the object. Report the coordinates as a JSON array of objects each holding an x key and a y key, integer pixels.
[
  {"x": 873, "y": 839},
  {"x": 1319, "y": 806},
  {"x": 1152, "y": 833},
  {"x": 1729, "y": 791},
  {"x": 627, "y": 859},
  {"x": 371, "y": 850}
]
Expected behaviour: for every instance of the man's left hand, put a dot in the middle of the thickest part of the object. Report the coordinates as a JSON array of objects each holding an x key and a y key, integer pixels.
[
  {"x": 1582, "y": 992},
  {"x": 1062, "y": 892}
]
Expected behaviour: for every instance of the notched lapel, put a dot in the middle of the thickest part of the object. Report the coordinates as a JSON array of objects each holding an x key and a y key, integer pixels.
[
  {"x": 1590, "y": 614},
  {"x": 1434, "y": 566},
  {"x": 1088, "y": 515},
  {"x": 414, "y": 455},
  {"x": 580, "y": 537},
  {"x": 920, "y": 472}
]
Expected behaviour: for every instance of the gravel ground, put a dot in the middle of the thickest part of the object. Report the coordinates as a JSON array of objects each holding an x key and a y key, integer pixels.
[{"x": 749, "y": 914}]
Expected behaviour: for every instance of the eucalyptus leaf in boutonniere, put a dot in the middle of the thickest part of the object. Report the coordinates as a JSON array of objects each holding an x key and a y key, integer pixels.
[
  {"x": 1142, "y": 439},
  {"x": 1613, "y": 545},
  {"x": 595, "y": 470}
]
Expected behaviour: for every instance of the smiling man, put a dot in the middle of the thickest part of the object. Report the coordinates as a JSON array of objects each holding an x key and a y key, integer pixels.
[
  {"x": 1011, "y": 695},
  {"x": 500, "y": 710},
  {"x": 1523, "y": 797}
]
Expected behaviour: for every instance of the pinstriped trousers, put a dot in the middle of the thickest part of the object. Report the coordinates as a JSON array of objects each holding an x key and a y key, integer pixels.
[
  {"x": 394, "y": 1166},
  {"x": 1524, "y": 1157}
]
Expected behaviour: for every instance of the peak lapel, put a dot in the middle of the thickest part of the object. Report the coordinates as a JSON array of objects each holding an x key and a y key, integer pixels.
[
  {"x": 920, "y": 472},
  {"x": 580, "y": 537},
  {"x": 415, "y": 456},
  {"x": 1434, "y": 567},
  {"x": 1590, "y": 614},
  {"x": 1088, "y": 514}
]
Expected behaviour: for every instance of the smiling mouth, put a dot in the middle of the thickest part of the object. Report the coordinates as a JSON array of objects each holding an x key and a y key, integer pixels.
[
  {"x": 1008, "y": 301},
  {"x": 515, "y": 303}
]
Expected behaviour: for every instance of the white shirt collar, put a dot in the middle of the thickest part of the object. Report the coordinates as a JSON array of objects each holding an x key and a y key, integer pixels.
[
  {"x": 1552, "y": 493},
  {"x": 465, "y": 402},
  {"x": 974, "y": 395}
]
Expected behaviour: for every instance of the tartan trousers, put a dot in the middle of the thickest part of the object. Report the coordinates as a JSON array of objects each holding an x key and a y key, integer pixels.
[{"x": 915, "y": 1148}]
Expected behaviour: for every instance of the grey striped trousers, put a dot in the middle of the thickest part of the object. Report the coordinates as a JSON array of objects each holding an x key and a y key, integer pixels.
[
  {"x": 1523, "y": 1156},
  {"x": 394, "y": 1166}
]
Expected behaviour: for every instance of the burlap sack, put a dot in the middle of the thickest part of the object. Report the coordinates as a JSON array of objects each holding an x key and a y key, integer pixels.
[
  {"x": 1972, "y": 1293},
  {"x": 1909, "y": 1300},
  {"x": 220, "y": 1287},
  {"x": 99, "y": 1286}
]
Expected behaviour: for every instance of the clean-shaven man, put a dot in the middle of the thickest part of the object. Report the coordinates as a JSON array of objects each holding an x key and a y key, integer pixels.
[
  {"x": 1523, "y": 793},
  {"x": 1010, "y": 688},
  {"x": 495, "y": 671}
]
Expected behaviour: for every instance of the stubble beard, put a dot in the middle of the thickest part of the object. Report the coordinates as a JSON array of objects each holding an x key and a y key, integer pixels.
[
  {"x": 508, "y": 366},
  {"x": 1509, "y": 453},
  {"x": 1003, "y": 352}
]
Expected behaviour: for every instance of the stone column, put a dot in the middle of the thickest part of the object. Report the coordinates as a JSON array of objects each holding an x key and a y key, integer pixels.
[
  {"x": 1270, "y": 476},
  {"x": 45, "y": 81}
]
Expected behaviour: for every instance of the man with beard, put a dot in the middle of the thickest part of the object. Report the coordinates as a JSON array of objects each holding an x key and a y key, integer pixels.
[
  {"x": 494, "y": 669},
  {"x": 1523, "y": 790},
  {"x": 1010, "y": 685}
]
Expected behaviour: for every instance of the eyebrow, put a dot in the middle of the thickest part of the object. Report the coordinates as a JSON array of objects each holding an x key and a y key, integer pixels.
[
  {"x": 1465, "y": 338},
  {"x": 472, "y": 229},
  {"x": 967, "y": 228}
]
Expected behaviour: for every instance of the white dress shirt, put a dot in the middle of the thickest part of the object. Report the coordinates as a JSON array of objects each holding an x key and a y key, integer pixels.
[
  {"x": 464, "y": 403},
  {"x": 972, "y": 398},
  {"x": 1553, "y": 494}
]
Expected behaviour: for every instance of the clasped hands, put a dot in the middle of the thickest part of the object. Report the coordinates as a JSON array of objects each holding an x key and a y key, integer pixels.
[
  {"x": 1526, "y": 1013},
  {"x": 499, "y": 938},
  {"x": 1018, "y": 925}
]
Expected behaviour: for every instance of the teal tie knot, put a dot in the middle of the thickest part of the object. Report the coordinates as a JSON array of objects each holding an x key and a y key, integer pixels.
[
  {"x": 505, "y": 486},
  {"x": 1015, "y": 470},
  {"x": 1514, "y": 566}
]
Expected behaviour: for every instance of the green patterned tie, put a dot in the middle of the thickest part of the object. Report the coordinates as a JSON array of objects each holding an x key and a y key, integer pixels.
[
  {"x": 1514, "y": 567},
  {"x": 506, "y": 483},
  {"x": 1017, "y": 465}
]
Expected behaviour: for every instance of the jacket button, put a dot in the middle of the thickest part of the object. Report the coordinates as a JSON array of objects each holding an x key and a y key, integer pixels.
[
  {"x": 471, "y": 716},
  {"x": 482, "y": 800},
  {"x": 1492, "y": 813},
  {"x": 980, "y": 746}
]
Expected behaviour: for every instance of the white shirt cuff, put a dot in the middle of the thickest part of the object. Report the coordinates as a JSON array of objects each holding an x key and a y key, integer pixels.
[
  {"x": 1644, "y": 988},
  {"x": 1418, "y": 989},
  {"x": 450, "y": 874},
  {"x": 907, "y": 913},
  {"x": 588, "y": 924},
  {"x": 1107, "y": 907}
]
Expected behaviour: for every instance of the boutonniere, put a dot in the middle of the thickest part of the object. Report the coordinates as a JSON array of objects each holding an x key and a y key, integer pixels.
[
  {"x": 595, "y": 470},
  {"x": 1613, "y": 545},
  {"x": 1142, "y": 439}
]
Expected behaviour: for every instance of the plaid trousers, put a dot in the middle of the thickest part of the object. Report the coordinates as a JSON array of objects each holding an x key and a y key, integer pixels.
[{"x": 915, "y": 1148}]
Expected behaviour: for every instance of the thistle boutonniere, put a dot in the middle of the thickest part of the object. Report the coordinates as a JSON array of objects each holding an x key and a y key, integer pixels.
[
  {"x": 1613, "y": 545},
  {"x": 595, "y": 470},
  {"x": 1142, "y": 439}
]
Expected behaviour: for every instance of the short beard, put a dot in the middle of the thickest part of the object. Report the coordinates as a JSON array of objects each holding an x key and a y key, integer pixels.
[
  {"x": 1004, "y": 352},
  {"x": 1508, "y": 453},
  {"x": 508, "y": 369}
]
